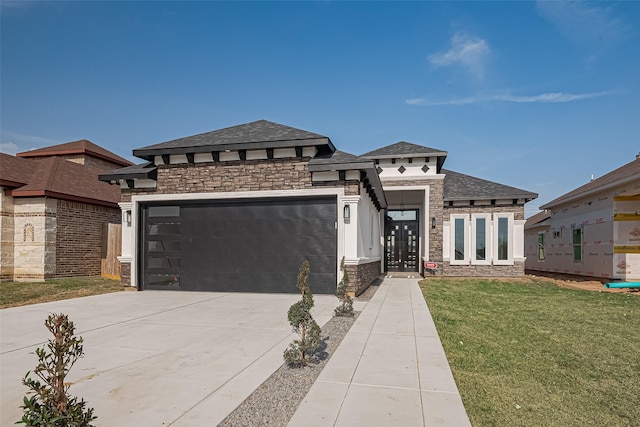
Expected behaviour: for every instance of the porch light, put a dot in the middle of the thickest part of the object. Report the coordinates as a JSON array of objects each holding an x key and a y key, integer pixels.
[
  {"x": 127, "y": 216},
  {"x": 433, "y": 222},
  {"x": 347, "y": 212}
]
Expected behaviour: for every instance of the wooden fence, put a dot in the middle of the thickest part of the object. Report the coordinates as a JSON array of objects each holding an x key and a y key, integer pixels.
[{"x": 111, "y": 249}]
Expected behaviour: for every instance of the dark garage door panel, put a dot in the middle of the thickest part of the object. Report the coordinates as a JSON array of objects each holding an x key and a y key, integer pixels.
[{"x": 258, "y": 245}]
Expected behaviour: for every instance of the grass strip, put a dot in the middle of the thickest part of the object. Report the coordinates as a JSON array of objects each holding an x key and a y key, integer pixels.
[
  {"x": 530, "y": 353},
  {"x": 15, "y": 294}
]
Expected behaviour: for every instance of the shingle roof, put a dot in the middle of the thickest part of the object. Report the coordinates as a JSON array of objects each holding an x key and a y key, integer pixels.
[
  {"x": 339, "y": 160},
  {"x": 536, "y": 219},
  {"x": 404, "y": 149},
  {"x": 56, "y": 177},
  {"x": 255, "y": 135},
  {"x": 14, "y": 171},
  {"x": 618, "y": 176},
  {"x": 82, "y": 146},
  {"x": 145, "y": 170},
  {"x": 458, "y": 186}
]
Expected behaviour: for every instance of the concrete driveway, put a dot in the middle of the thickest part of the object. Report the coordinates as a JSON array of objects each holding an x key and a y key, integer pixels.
[{"x": 157, "y": 358}]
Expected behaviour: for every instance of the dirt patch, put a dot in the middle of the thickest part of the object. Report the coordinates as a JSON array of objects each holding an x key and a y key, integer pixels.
[{"x": 579, "y": 282}]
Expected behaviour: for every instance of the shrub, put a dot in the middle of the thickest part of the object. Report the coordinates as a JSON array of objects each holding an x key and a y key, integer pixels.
[
  {"x": 303, "y": 324},
  {"x": 345, "y": 309},
  {"x": 50, "y": 404}
]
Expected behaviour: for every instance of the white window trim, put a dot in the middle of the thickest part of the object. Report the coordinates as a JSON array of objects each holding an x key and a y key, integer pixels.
[
  {"x": 509, "y": 260},
  {"x": 488, "y": 239},
  {"x": 452, "y": 256}
]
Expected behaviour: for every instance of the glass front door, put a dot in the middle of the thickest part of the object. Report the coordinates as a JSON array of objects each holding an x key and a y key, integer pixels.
[{"x": 401, "y": 240}]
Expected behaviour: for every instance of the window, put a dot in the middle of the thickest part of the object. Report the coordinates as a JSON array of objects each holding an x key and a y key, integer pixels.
[
  {"x": 503, "y": 231},
  {"x": 541, "y": 246},
  {"x": 577, "y": 244},
  {"x": 479, "y": 239},
  {"x": 503, "y": 239},
  {"x": 480, "y": 243},
  {"x": 459, "y": 239}
]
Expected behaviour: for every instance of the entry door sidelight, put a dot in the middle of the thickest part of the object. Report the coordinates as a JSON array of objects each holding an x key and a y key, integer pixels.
[{"x": 401, "y": 241}]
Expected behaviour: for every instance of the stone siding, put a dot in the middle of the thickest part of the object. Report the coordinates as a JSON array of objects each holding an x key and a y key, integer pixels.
[
  {"x": 361, "y": 276},
  {"x": 125, "y": 273},
  {"x": 436, "y": 210},
  {"x": 79, "y": 237},
  {"x": 249, "y": 175},
  {"x": 515, "y": 270},
  {"x": 34, "y": 237},
  {"x": 6, "y": 237}
]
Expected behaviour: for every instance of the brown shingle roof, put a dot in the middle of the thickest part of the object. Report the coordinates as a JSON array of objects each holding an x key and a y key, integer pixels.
[
  {"x": 82, "y": 146},
  {"x": 14, "y": 171},
  {"x": 536, "y": 219},
  {"x": 56, "y": 177},
  {"x": 618, "y": 176}
]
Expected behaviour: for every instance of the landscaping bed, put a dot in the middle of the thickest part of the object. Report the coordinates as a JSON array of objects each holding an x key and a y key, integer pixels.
[{"x": 275, "y": 401}]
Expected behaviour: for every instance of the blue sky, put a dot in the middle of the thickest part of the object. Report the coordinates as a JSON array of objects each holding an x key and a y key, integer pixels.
[{"x": 539, "y": 96}]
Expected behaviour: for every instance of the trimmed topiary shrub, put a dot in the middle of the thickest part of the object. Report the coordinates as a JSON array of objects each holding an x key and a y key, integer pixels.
[
  {"x": 303, "y": 324},
  {"x": 345, "y": 309},
  {"x": 50, "y": 404}
]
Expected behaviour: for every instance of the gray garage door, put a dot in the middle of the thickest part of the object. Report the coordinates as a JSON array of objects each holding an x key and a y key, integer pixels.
[{"x": 241, "y": 245}]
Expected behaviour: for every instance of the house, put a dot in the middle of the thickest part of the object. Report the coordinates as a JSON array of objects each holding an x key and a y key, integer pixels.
[
  {"x": 592, "y": 231},
  {"x": 240, "y": 208},
  {"x": 53, "y": 208}
]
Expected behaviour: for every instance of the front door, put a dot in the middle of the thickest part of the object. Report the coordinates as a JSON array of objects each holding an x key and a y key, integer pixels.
[{"x": 401, "y": 240}]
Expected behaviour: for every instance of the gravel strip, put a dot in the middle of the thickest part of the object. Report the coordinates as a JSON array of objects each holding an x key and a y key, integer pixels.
[{"x": 275, "y": 401}]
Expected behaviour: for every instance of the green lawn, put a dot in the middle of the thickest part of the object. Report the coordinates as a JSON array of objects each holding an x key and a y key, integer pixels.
[
  {"x": 13, "y": 294},
  {"x": 530, "y": 353}
]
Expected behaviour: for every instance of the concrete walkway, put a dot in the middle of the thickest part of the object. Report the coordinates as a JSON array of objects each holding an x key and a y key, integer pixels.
[{"x": 390, "y": 369}]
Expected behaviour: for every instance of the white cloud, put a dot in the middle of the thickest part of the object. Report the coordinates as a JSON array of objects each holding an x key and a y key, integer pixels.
[
  {"x": 584, "y": 23},
  {"x": 8, "y": 148},
  {"x": 549, "y": 98},
  {"x": 467, "y": 51},
  {"x": 16, "y": 142}
]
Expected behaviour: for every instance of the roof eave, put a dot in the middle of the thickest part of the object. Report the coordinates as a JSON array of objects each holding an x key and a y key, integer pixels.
[
  {"x": 340, "y": 166},
  {"x": 52, "y": 153},
  {"x": 527, "y": 197},
  {"x": 406, "y": 156},
  {"x": 62, "y": 196},
  {"x": 149, "y": 153},
  {"x": 151, "y": 173},
  {"x": 560, "y": 201}
]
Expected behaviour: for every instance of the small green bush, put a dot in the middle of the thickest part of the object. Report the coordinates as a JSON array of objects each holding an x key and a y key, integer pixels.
[
  {"x": 303, "y": 324},
  {"x": 50, "y": 405},
  {"x": 345, "y": 309}
]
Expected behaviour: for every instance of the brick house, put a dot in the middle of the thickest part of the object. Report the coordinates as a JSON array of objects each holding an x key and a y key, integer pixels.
[
  {"x": 593, "y": 230},
  {"x": 53, "y": 208},
  {"x": 240, "y": 208}
]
